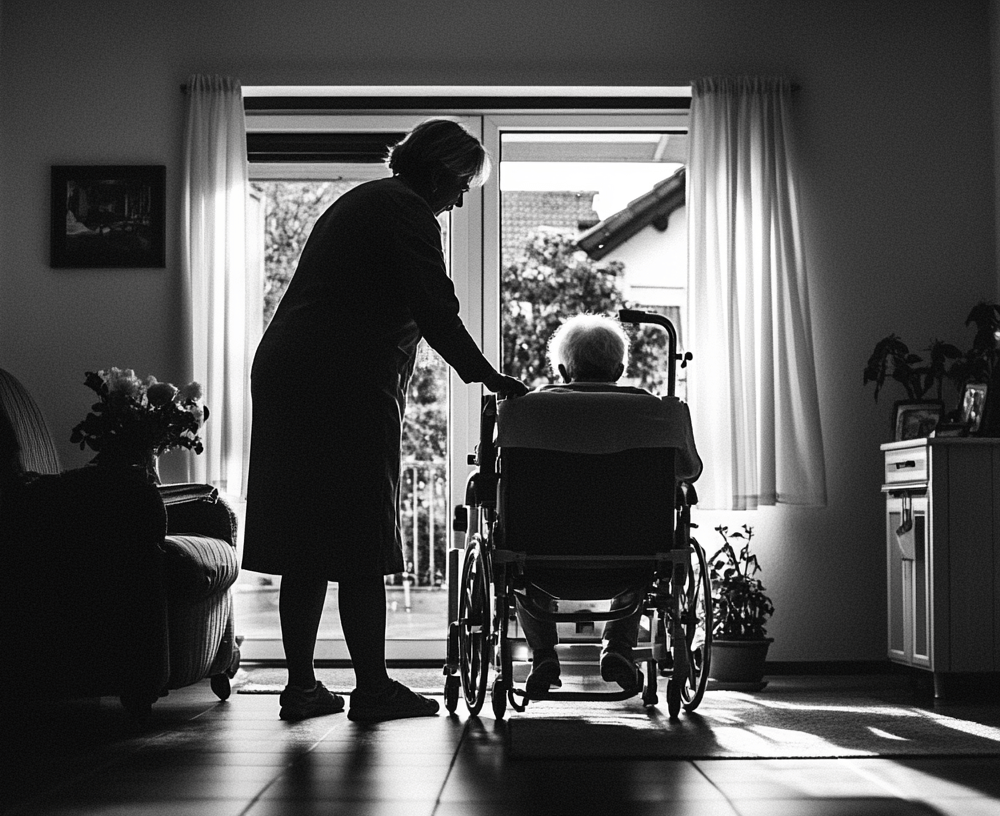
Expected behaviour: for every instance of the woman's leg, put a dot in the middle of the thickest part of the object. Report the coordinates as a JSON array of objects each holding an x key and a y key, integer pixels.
[
  {"x": 362, "y": 616},
  {"x": 300, "y": 607}
]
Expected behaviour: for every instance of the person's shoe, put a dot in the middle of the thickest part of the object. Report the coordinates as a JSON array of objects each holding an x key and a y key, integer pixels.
[
  {"x": 299, "y": 704},
  {"x": 396, "y": 703},
  {"x": 544, "y": 673},
  {"x": 617, "y": 666}
]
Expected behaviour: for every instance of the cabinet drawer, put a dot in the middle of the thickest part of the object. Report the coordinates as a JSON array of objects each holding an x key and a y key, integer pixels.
[{"x": 906, "y": 465}]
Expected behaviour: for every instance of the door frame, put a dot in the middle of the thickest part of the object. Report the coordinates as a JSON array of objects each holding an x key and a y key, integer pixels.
[{"x": 474, "y": 255}]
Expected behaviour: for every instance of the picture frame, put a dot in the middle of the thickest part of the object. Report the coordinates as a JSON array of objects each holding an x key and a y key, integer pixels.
[
  {"x": 108, "y": 216},
  {"x": 972, "y": 406},
  {"x": 916, "y": 419}
]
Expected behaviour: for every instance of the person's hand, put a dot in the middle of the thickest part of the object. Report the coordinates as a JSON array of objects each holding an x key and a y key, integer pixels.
[{"x": 508, "y": 387}]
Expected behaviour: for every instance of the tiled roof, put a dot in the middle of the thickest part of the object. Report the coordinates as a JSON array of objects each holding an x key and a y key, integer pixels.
[
  {"x": 525, "y": 210},
  {"x": 653, "y": 208}
]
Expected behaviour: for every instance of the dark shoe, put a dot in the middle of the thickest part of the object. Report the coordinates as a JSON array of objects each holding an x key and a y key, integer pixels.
[
  {"x": 617, "y": 666},
  {"x": 299, "y": 704},
  {"x": 544, "y": 674},
  {"x": 397, "y": 703}
]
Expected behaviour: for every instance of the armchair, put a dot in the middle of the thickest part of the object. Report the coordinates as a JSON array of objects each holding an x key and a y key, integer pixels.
[{"x": 109, "y": 585}]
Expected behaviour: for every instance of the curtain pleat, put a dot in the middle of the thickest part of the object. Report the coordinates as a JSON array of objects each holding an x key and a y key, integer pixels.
[
  {"x": 221, "y": 326},
  {"x": 752, "y": 390}
]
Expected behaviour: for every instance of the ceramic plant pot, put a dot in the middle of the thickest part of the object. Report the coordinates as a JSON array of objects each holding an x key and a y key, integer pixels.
[{"x": 739, "y": 663}]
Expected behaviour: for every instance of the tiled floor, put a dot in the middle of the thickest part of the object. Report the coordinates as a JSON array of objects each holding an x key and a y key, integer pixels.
[{"x": 200, "y": 756}]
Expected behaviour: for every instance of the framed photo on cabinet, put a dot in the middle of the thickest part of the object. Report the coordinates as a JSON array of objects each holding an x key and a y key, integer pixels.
[
  {"x": 973, "y": 403},
  {"x": 916, "y": 419}
]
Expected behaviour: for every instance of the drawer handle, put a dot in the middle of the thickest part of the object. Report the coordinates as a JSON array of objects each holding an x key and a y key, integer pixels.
[{"x": 907, "y": 464}]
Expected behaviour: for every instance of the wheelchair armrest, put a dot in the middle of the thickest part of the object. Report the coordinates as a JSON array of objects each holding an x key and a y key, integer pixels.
[
  {"x": 199, "y": 510},
  {"x": 481, "y": 490}
]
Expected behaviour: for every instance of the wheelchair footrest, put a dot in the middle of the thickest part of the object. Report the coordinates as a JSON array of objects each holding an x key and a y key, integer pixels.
[{"x": 583, "y": 696}]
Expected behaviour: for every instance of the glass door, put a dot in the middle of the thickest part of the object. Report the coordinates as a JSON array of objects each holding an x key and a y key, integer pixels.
[
  {"x": 286, "y": 199},
  {"x": 588, "y": 215}
]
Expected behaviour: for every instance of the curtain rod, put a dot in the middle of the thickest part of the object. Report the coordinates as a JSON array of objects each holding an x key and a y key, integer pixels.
[{"x": 795, "y": 87}]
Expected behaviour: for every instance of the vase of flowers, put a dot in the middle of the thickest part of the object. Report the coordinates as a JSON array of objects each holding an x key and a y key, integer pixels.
[{"x": 134, "y": 421}]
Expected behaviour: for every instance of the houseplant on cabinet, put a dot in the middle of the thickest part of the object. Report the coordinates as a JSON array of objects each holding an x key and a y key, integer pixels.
[
  {"x": 741, "y": 610},
  {"x": 891, "y": 359}
]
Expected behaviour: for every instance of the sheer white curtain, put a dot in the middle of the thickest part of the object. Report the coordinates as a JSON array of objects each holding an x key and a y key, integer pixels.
[
  {"x": 222, "y": 327},
  {"x": 752, "y": 388}
]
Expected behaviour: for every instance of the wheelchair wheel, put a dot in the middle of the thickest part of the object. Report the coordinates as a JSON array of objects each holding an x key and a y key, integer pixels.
[
  {"x": 474, "y": 626},
  {"x": 221, "y": 686},
  {"x": 698, "y": 629},
  {"x": 649, "y": 695},
  {"x": 451, "y": 686},
  {"x": 498, "y": 696},
  {"x": 674, "y": 693}
]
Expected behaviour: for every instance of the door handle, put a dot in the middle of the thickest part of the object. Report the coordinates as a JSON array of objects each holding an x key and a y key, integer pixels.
[{"x": 905, "y": 536}]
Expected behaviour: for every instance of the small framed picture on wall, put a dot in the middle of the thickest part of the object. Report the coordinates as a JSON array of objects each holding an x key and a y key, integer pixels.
[{"x": 108, "y": 216}]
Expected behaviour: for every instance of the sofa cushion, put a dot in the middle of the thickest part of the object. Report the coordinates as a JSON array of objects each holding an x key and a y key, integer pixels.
[{"x": 197, "y": 566}]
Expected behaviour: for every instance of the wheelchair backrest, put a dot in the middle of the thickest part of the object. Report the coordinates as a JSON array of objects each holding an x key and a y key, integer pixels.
[{"x": 586, "y": 474}]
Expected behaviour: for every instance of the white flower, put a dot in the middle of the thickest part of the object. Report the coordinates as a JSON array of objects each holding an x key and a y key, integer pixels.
[{"x": 191, "y": 391}]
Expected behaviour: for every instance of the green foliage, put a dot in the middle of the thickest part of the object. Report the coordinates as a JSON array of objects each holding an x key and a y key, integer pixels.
[
  {"x": 741, "y": 607},
  {"x": 132, "y": 417},
  {"x": 553, "y": 280},
  {"x": 892, "y": 359}
]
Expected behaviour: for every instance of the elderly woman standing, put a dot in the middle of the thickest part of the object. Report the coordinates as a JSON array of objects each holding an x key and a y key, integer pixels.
[{"x": 329, "y": 384}]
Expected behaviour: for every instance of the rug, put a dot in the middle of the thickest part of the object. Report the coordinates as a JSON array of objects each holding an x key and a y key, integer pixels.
[
  {"x": 737, "y": 725},
  {"x": 271, "y": 680}
]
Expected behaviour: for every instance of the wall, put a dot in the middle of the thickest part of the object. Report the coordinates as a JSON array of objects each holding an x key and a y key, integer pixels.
[
  {"x": 893, "y": 127},
  {"x": 995, "y": 76}
]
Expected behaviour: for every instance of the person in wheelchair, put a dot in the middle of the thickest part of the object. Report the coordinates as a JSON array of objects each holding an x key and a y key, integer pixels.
[{"x": 590, "y": 353}]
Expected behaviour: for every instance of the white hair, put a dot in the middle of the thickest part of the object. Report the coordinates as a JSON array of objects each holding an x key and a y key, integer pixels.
[{"x": 590, "y": 347}]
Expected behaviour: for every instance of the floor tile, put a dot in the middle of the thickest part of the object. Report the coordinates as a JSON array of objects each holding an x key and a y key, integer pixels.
[
  {"x": 196, "y": 755},
  {"x": 965, "y": 807},
  {"x": 282, "y": 807},
  {"x": 215, "y": 807},
  {"x": 796, "y": 779},
  {"x": 860, "y": 806}
]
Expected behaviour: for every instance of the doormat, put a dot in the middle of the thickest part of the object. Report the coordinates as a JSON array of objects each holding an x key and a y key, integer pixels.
[
  {"x": 271, "y": 680},
  {"x": 736, "y": 725}
]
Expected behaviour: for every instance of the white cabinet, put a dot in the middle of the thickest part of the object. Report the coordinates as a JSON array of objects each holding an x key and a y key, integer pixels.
[{"x": 942, "y": 529}]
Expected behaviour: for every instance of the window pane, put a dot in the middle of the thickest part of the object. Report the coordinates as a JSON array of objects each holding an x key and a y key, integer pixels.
[
  {"x": 591, "y": 222},
  {"x": 417, "y": 599}
]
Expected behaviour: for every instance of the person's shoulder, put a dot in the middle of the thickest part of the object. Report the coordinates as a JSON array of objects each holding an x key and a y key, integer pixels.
[
  {"x": 594, "y": 388},
  {"x": 391, "y": 189},
  {"x": 392, "y": 199}
]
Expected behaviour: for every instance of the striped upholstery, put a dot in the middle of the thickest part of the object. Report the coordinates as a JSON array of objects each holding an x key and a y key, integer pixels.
[{"x": 23, "y": 432}]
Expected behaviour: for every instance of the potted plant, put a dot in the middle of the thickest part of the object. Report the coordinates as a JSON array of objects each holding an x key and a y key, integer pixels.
[
  {"x": 741, "y": 611},
  {"x": 891, "y": 359}
]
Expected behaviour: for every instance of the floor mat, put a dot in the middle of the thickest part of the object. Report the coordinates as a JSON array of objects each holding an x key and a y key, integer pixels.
[
  {"x": 271, "y": 680},
  {"x": 731, "y": 724}
]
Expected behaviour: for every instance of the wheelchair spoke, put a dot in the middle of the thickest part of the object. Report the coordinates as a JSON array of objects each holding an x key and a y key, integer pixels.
[
  {"x": 474, "y": 637},
  {"x": 698, "y": 630}
]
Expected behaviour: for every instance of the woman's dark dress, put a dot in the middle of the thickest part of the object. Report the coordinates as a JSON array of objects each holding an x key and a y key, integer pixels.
[{"x": 329, "y": 385}]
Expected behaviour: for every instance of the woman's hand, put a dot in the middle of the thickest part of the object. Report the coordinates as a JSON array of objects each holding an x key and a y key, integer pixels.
[{"x": 505, "y": 387}]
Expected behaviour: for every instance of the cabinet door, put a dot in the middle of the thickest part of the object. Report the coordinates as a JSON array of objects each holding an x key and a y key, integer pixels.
[{"x": 907, "y": 549}]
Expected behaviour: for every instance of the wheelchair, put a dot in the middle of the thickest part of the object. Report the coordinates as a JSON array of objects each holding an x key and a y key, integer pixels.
[{"x": 557, "y": 530}]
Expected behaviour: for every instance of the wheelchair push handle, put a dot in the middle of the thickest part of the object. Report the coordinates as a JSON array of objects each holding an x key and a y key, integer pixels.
[{"x": 637, "y": 316}]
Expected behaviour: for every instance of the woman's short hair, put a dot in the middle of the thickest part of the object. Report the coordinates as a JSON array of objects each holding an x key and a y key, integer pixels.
[
  {"x": 440, "y": 143},
  {"x": 591, "y": 347}
]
